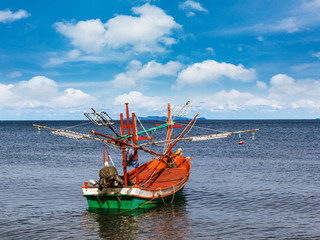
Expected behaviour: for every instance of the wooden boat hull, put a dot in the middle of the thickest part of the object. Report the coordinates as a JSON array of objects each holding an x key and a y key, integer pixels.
[
  {"x": 158, "y": 184},
  {"x": 127, "y": 202}
]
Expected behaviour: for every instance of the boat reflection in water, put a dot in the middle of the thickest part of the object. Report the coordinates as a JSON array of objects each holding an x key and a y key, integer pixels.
[{"x": 169, "y": 221}]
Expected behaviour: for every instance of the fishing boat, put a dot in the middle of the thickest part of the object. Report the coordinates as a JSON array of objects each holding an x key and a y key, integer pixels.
[{"x": 156, "y": 181}]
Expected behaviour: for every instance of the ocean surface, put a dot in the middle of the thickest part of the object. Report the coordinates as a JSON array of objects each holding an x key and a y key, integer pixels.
[{"x": 267, "y": 188}]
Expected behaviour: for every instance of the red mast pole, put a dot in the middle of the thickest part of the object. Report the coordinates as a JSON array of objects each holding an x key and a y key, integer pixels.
[
  {"x": 182, "y": 134},
  {"x": 124, "y": 162},
  {"x": 134, "y": 137},
  {"x": 128, "y": 118},
  {"x": 169, "y": 126}
]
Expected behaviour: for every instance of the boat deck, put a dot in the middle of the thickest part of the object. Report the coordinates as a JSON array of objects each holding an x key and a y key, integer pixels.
[
  {"x": 160, "y": 178},
  {"x": 155, "y": 177}
]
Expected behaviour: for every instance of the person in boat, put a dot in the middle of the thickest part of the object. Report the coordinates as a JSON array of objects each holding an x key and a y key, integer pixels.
[
  {"x": 178, "y": 153},
  {"x": 109, "y": 177}
]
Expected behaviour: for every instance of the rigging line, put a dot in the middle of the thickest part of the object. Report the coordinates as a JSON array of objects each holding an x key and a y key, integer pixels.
[
  {"x": 109, "y": 144},
  {"x": 216, "y": 130},
  {"x": 143, "y": 184},
  {"x": 143, "y": 127},
  {"x": 191, "y": 127},
  {"x": 166, "y": 144},
  {"x": 109, "y": 157},
  {"x": 149, "y": 140},
  {"x": 155, "y": 162},
  {"x": 186, "y": 104},
  {"x": 78, "y": 125}
]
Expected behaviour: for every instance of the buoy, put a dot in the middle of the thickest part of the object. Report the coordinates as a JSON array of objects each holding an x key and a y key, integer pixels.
[{"x": 240, "y": 141}]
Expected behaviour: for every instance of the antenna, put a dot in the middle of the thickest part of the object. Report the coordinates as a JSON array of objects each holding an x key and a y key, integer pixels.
[
  {"x": 181, "y": 110},
  {"x": 99, "y": 118}
]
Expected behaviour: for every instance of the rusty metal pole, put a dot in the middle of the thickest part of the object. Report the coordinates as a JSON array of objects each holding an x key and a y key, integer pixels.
[
  {"x": 124, "y": 162},
  {"x": 134, "y": 138}
]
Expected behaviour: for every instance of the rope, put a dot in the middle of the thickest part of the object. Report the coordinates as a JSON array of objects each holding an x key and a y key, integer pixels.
[
  {"x": 78, "y": 125},
  {"x": 190, "y": 127},
  {"x": 142, "y": 126},
  {"x": 210, "y": 129},
  {"x": 171, "y": 199},
  {"x": 166, "y": 145},
  {"x": 149, "y": 177},
  {"x": 109, "y": 157}
]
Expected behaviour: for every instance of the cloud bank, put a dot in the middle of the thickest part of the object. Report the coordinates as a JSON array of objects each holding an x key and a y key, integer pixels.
[
  {"x": 138, "y": 74},
  {"x": 139, "y": 101},
  {"x": 40, "y": 92},
  {"x": 150, "y": 31},
  {"x": 210, "y": 71}
]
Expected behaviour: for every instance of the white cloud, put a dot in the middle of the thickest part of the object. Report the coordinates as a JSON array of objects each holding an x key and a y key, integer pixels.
[
  {"x": 14, "y": 74},
  {"x": 71, "y": 98},
  {"x": 140, "y": 101},
  {"x": 285, "y": 94},
  {"x": 233, "y": 100},
  {"x": 261, "y": 85},
  {"x": 302, "y": 15},
  {"x": 73, "y": 54},
  {"x": 282, "y": 84},
  {"x": 289, "y": 25},
  {"x": 212, "y": 71},
  {"x": 210, "y": 50},
  {"x": 149, "y": 32},
  {"x": 6, "y": 94},
  {"x": 310, "y": 6},
  {"x": 76, "y": 55},
  {"x": 89, "y": 36},
  {"x": 290, "y": 92},
  {"x": 305, "y": 104},
  {"x": 260, "y": 38},
  {"x": 137, "y": 73},
  {"x": 7, "y": 16},
  {"x": 191, "y": 7},
  {"x": 317, "y": 55},
  {"x": 41, "y": 91},
  {"x": 39, "y": 87}
]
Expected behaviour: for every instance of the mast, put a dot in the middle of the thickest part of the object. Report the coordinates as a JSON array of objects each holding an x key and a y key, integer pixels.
[
  {"x": 169, "y": 126},
  {"x": 181, "y": 135},
  {"x": 124, "y": 163},
  {"x": 134, "y": 138}
]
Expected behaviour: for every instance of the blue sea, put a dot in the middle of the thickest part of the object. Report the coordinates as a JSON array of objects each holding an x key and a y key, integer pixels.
[{"x": 267, "y": 188}]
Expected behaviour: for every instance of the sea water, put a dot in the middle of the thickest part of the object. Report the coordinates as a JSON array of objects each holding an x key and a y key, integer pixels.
[{"x": 266, "y": 188}]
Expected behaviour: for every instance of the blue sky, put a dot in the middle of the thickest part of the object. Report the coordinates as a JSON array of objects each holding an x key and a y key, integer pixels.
[{"x": 232, "y": 59}]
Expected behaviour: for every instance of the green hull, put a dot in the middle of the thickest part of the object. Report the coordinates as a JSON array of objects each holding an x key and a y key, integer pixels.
[{"x": 126, "y": 202}]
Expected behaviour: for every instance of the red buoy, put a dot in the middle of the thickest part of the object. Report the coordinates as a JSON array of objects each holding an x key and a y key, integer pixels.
[{"x": 241, "y": 142}]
